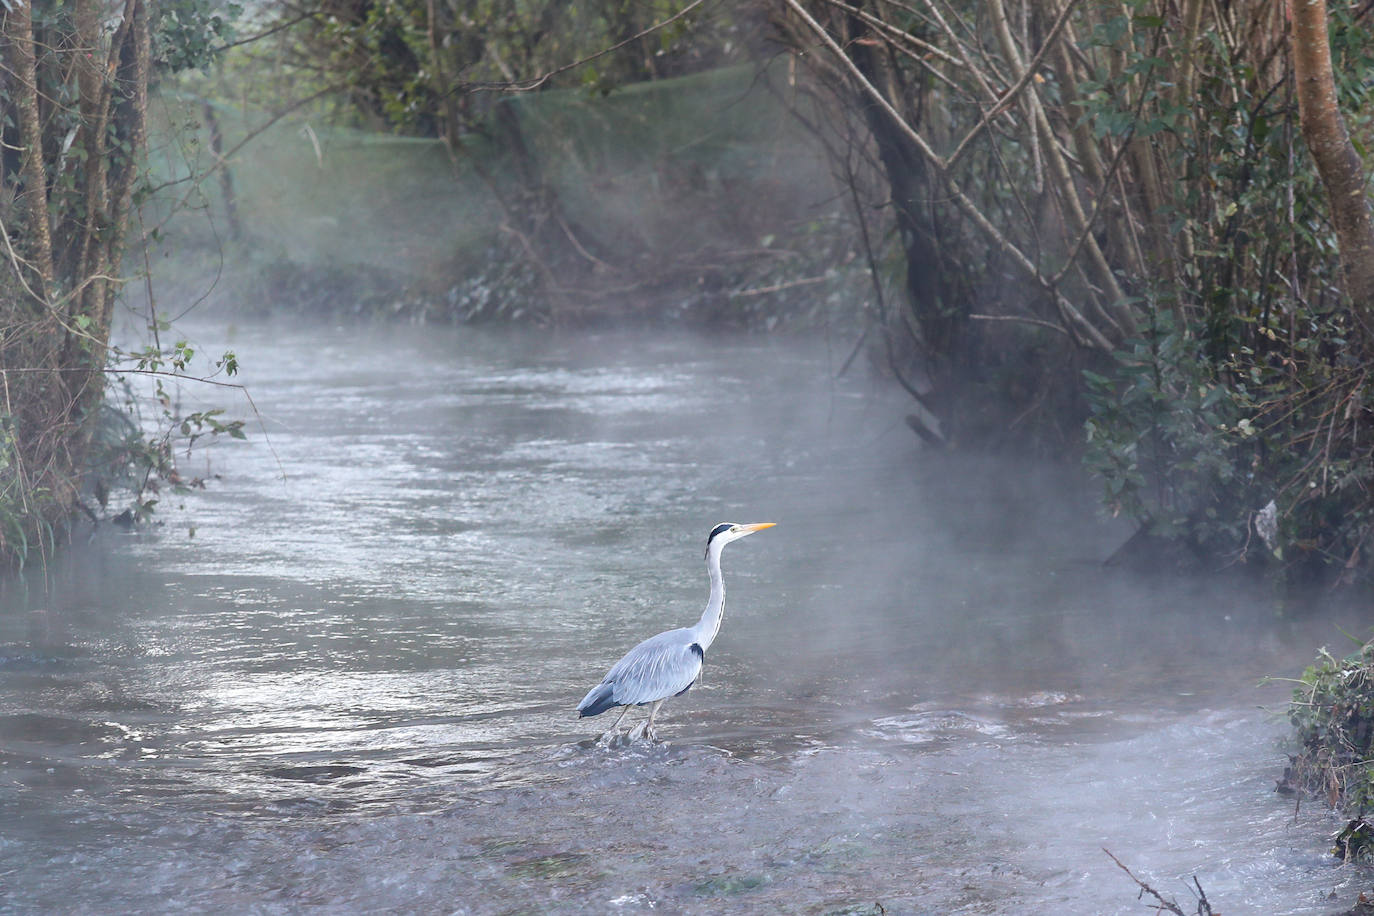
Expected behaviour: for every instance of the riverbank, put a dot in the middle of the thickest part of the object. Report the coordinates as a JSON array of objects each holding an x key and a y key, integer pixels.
[{"x": 700, "y": 200}]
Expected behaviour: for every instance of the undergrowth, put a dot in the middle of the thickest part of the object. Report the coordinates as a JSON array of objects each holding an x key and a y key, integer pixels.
[
  {"x": 115, "y": 464},
  {"x": 1332, "y": 713},
  {"x": 1258, "y": 455}
]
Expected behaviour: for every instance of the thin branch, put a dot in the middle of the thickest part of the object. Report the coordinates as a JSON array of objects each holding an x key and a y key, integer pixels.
[
  {"x": 1204, "y": 908},
  {"x": 1075, "y": 318},
  {"x": 15, "y": 261},
  {"x": 1022, "y": 319},
  {"x": 534, "y": 83},
  {"x": 778, "y": 287},
  {"x": 222, "y": 160},
  {"x": 1169, "y": 905},
  {"x": 934, "y": 158},
  {"x": 906, "y": 37},
  {"x": 112, "y": 370},
  {"x": 1010, "y": 95},
  {"x": 281, "y": 26}
]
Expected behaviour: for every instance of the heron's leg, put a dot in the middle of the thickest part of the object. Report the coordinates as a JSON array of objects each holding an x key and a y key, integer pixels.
[
  {"x": 609, "y": 736},
  {"x": 645, "y": 729},
  {"x": 649, "y": 726}
]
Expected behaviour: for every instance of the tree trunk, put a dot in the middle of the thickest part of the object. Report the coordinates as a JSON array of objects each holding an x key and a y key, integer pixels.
[
  {"x": 58, "y": 282},
  {"x": 1341, "y": 171},
  {"x": 18, "y": 35}
]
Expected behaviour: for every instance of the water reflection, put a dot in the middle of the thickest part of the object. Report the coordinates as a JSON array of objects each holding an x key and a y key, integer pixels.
[{"x": 353, "y": 687}]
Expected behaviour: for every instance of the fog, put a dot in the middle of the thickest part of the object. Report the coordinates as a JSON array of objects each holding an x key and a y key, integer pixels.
[{"x": 344, "y": 674}]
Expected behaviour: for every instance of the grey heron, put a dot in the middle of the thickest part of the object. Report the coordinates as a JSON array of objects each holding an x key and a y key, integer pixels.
[{"x": 668, "y": 664}]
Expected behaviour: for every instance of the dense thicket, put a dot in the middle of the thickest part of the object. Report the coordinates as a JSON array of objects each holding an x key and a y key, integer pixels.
[
  {"x": 1333, "y": 721},
  {"x": 1110, "y": 209},
  {"x": 73, "y": 129},
  {"x": 73, "y": 102}
]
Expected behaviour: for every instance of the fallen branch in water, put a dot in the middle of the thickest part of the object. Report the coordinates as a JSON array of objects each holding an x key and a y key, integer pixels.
[{"x": 1204, "y": 908}]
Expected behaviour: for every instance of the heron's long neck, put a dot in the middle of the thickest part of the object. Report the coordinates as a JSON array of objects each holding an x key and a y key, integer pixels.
[{"x": 709, "y": 626}]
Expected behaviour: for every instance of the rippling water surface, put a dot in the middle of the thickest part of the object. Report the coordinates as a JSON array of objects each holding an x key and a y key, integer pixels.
[{"x": 343, "y": 676}]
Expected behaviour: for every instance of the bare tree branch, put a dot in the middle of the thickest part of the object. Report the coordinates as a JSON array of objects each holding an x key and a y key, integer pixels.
[{"x": 534, "y": 83}]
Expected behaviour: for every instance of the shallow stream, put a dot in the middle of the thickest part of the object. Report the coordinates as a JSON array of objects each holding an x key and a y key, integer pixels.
[{"x": 342, "y": 677}]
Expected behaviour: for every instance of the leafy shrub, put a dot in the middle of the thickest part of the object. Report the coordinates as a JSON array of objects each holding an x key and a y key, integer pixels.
[
  {"x": 1260, "y": 455},
  {"x": 1166, "y": 437},
  {"x": 1333, "y": 714}
]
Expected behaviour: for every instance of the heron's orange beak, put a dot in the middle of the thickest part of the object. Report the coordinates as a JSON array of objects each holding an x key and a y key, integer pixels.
[{"x": 759, "y": 527}]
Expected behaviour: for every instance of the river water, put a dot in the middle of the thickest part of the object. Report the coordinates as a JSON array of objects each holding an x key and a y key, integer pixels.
[{"x": 342, "y": 677}]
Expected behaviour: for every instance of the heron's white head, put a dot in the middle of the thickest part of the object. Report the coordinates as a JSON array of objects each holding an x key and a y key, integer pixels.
[{"x": 726, "y": 532}]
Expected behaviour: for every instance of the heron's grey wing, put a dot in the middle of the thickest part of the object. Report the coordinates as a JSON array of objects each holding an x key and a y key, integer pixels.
[{"x": 660, "y": 667}]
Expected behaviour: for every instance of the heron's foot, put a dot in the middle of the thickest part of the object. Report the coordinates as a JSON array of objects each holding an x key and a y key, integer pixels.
[
  {"x": 643, "y": 732},
  {"x": 609, "y": 738}
]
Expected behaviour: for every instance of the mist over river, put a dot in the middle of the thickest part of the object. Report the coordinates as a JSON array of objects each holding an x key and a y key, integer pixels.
[{"x": 343, "y": 676}]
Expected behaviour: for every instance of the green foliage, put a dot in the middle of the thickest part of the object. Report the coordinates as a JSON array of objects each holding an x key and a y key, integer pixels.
[
  {"x": 1352, "y": 51},
  {"x": 1229, "y": 375},
  {"x": 1355, "y": 843},
  {"x": 1247, "y": 384},
  {"x": 24, "y": 525},
  {"x": 60, "y": 278},
  {"x": 187, "y": 34},
  {"x": 134, "y": 453},
  {"x": 129, "y": 456},
  {"x": 1195, "y": 447},
  {"x": 411, "y": 65},
  {"x": 1166, "y": 436},
  {"x": 1332, "y": 713}
]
